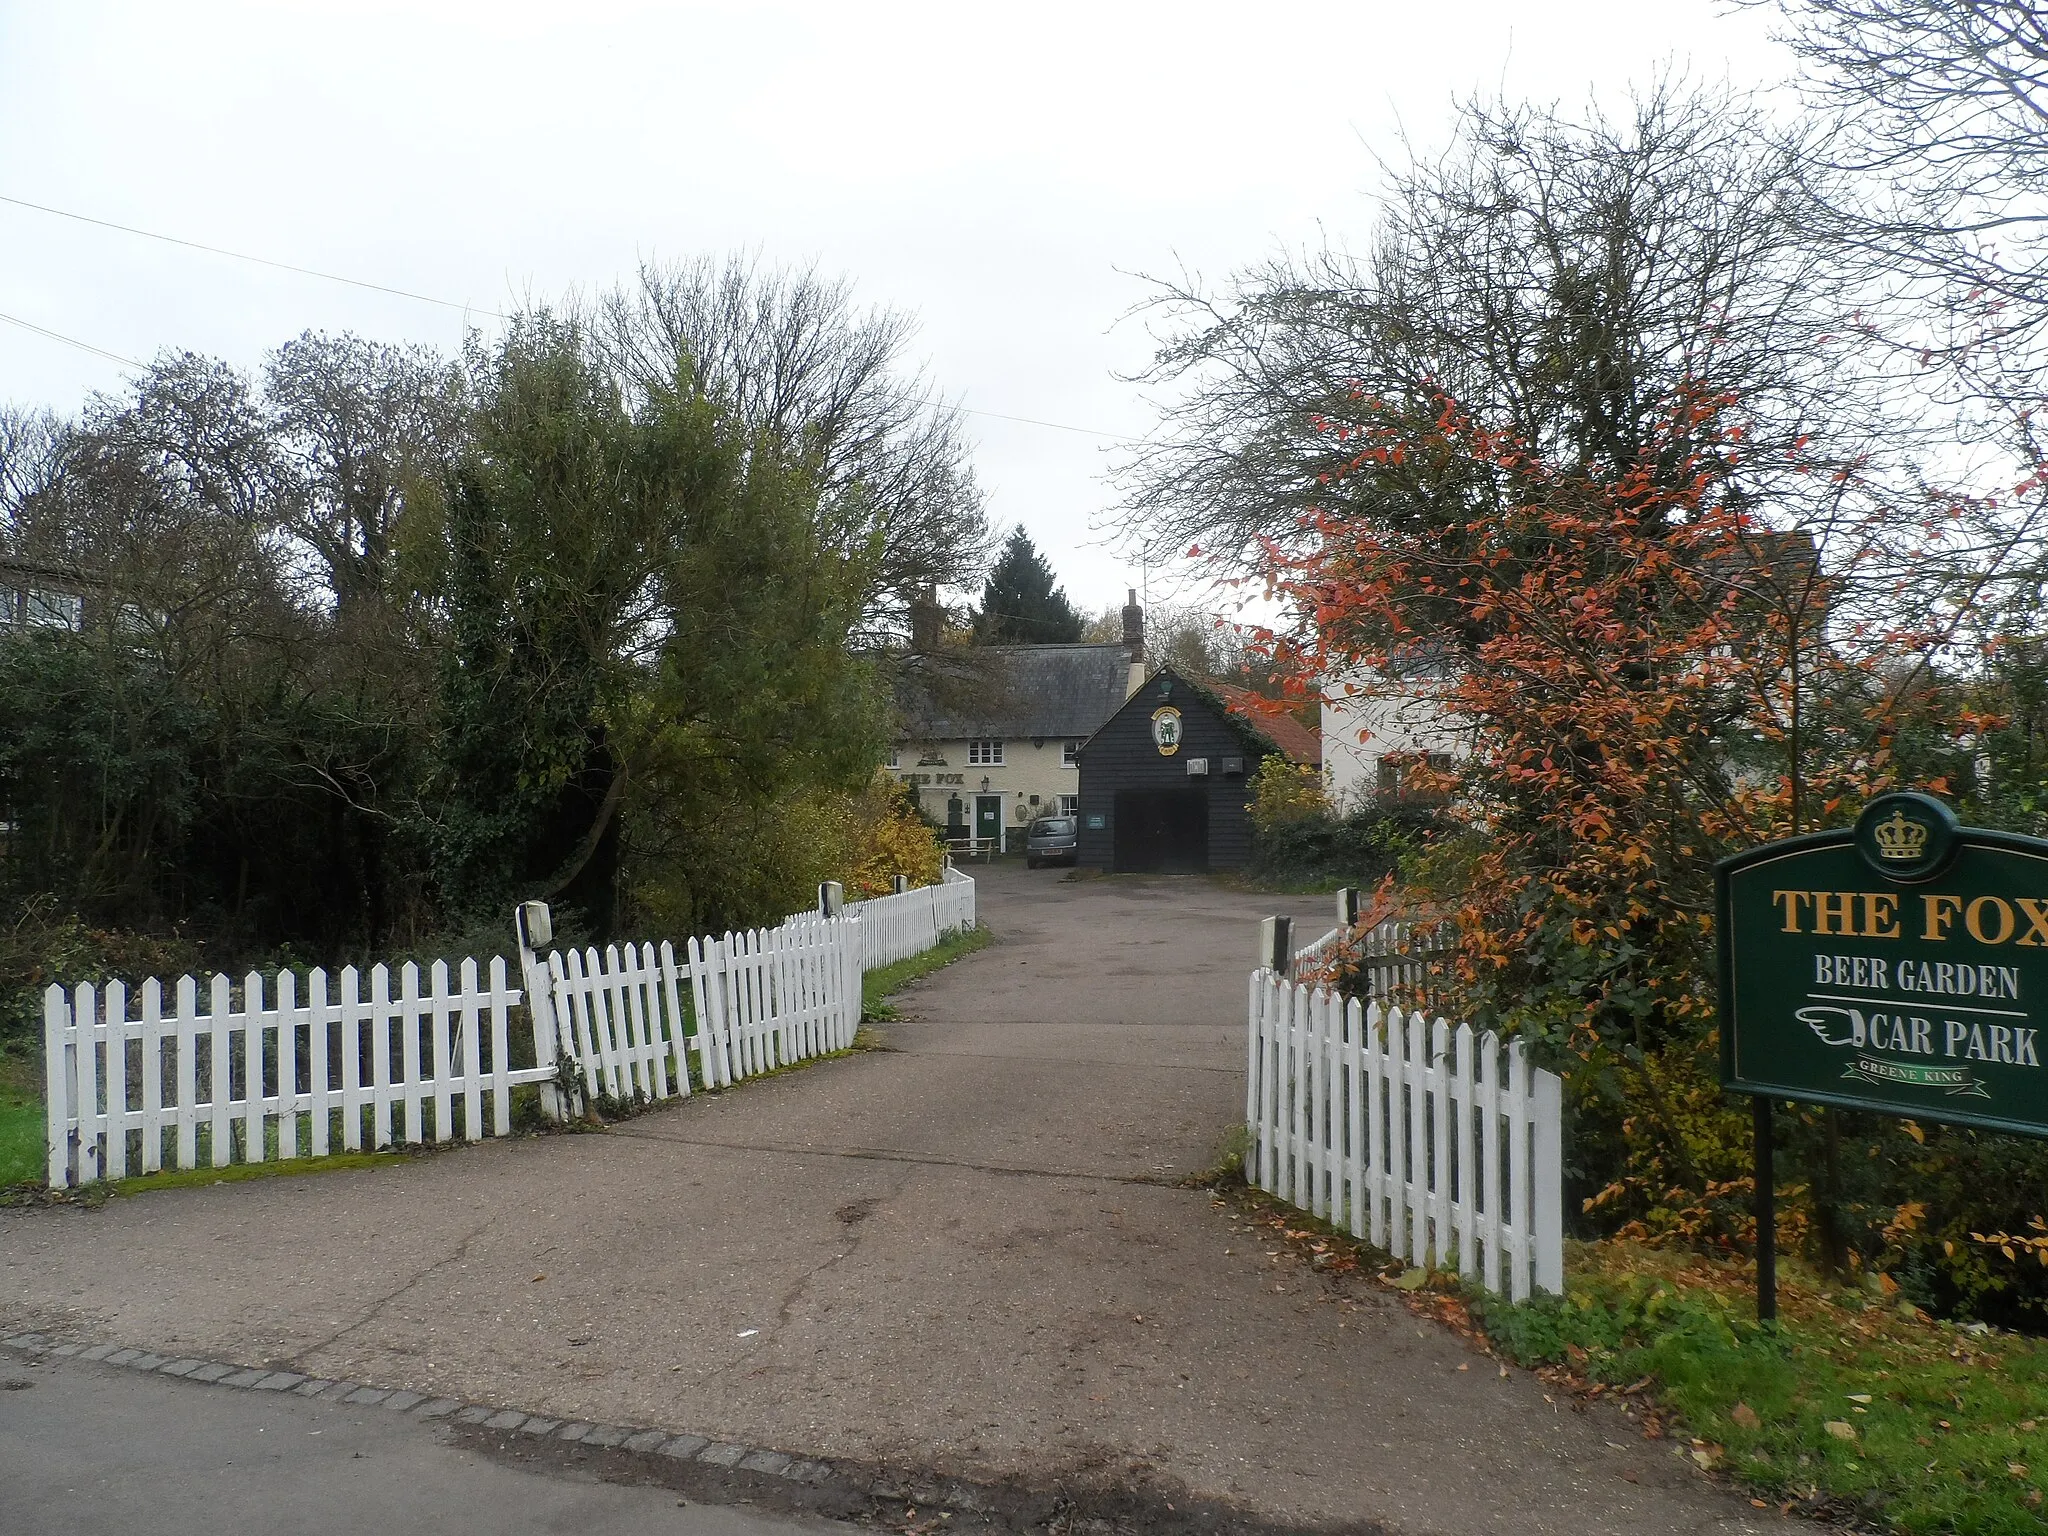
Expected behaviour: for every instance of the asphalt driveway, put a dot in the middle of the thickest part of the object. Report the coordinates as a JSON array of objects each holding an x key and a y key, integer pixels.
[{"x": 968, "y": 1254}]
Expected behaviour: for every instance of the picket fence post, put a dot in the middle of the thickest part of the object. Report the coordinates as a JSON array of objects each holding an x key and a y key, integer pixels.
[
  {"x": 153, "y": 1076},
  {"x": 59, "y": 1084},
  {"x": 1401, "y": 1128}
]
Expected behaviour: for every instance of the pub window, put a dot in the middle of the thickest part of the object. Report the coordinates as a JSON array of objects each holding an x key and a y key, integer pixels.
[
  {"x": 1070, "y": 805},
  {"x": 1070, "y": 755},
  {"x": 985, "y": 754}
]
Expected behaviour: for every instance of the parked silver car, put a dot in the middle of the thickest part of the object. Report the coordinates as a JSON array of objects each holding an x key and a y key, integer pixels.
[{"x": 1053, "y": 840}]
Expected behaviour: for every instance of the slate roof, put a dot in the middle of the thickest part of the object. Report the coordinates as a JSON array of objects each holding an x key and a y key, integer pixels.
[{"x": 1011, "y": 691}]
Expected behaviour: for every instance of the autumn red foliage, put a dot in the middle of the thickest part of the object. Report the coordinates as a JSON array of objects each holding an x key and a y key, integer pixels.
[{"x": 1633, "y": 656}]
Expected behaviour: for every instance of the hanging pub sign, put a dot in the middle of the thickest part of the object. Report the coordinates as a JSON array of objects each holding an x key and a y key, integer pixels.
[
  {"x": 1166, "y": 730},
  {"x": 1900, "y": 967}
]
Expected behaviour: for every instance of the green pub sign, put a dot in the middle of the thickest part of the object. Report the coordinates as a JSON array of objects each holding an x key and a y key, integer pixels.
[{"x": 1900, "y": 967}]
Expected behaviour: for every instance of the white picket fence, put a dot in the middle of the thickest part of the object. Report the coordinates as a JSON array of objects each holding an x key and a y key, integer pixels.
[
  {"x": 1395, "y": 959},
  {"x": 757, "y": 1000},
  {"x": 896, "y": 927},
  {"x": 1431, "y": 1142},
  {"x": 134, "y": 1087},
  {"x": 1312, "y": 955},
  {"x": 616, "y": 1018},
  {"x": 259, "y": 1072}
]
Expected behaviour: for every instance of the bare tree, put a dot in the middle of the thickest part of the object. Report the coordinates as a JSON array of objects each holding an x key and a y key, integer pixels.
[
  {"x": 1944, "y": 107},
  {"x": 197, "y": 421},
  {"x": 826, "y": 383},
  {"x": 31, "y": 460},
  {"x": 1938, "y": 127},
  {"x": 354, "y": 424},
  {"x": 1579, "y": 286},
  {"x": 1560, "y": 278},
  {"x": 165, "y": 495}
]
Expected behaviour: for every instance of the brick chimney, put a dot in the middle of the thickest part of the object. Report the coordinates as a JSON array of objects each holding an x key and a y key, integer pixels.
[
  {"x": 1134, "y": 643},
  {"x": 927, "y": 619}
]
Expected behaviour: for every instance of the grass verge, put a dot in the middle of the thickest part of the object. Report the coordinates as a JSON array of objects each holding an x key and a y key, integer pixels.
[
  {"x": 876, "y": 986},
  {"x": 1854, "y": 1405},
  {"x": 22, "y": 1152},
  {"x": 235, "y": 1173}
]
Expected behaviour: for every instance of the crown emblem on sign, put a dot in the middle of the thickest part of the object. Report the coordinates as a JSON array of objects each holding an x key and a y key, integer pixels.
[{"x": 1899, "y": 838}]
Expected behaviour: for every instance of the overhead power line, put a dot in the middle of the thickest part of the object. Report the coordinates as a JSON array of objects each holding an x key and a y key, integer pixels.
[
  {"x": 261, "y": 261},
  {"x": 71, "y": 341},
  {"x": 427, "y": 298}
]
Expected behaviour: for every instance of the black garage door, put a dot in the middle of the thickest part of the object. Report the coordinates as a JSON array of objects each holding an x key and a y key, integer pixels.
[{"x": 1162, "y": 831}]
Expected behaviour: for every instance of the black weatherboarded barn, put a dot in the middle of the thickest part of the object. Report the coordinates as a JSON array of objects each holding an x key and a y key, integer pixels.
[{"x": 1167, "y": 782}]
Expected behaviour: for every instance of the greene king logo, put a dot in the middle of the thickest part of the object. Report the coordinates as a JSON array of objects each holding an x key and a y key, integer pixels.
[
  {"x": 1900, "y": 841},
  {"x": 1907, "y": 836},
  {"x": 1854, "y": 1029}
]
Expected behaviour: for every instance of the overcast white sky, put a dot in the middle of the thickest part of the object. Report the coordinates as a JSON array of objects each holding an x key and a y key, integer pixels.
[{"x": 1001, "y": 172}]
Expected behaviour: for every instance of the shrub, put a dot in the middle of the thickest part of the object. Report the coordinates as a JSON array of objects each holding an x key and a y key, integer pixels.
[
  {"x": 1287, "y": 794},
  {"x": 886, "y": 837},
  {"x": 44, "y": 944},
  {"x": 1361, "y": 847}
]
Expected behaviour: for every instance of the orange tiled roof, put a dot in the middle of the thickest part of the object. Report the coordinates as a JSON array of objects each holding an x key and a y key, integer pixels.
[{"x": 1299, "y": 742}]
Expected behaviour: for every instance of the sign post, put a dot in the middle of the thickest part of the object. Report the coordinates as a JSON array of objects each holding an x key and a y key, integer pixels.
[{"x": 1900, "y": 967}]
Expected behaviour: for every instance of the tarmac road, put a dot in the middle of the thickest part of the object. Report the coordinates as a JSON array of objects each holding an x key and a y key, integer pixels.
[
  {"x": 967, "y": 1255},
  {"x": 90, "y": 1449}
]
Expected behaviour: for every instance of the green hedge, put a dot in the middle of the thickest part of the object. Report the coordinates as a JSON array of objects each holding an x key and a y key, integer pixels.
[{"x": 1358, "y": 848}]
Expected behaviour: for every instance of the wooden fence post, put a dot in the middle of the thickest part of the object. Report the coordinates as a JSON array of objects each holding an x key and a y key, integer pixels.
[
  {"x": 1276, "y": 946},
  {"x": 534, "y": 926},
  {"x": 58, "y": 1080}
]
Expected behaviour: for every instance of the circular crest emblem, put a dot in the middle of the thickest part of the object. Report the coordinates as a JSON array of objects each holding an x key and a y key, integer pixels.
[
  {"x": 1166, "y": 730},
  {"x": 1907, "y": 836}
]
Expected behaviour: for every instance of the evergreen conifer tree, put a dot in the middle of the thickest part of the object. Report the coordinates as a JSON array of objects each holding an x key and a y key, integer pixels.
[{"x": 1020, "y": 603}]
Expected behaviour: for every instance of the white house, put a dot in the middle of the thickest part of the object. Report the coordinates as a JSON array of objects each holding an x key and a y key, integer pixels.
[
  {"x": 36, "y": 595},
  {"x": 1376, "y": 725}
]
